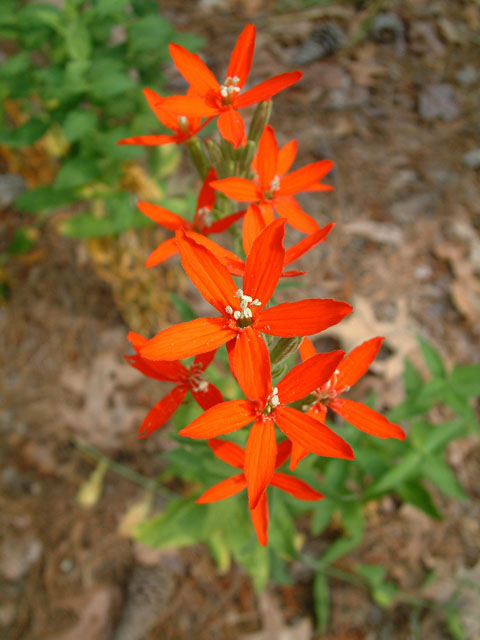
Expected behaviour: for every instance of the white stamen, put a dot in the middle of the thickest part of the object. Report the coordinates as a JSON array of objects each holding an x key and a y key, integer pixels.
[
  {"x": 237, "y": 315},
  {"x": 229, "y": 87},
  {"x": 202, "y": 385},
  {"x": 247, "y": 313},
  {"x": 275, "y": 184},
  {"x": 229, "y": 309},
  {"x": 245, "y": 301}
]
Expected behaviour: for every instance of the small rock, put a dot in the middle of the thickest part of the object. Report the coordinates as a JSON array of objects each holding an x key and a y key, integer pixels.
[
  {"x": 471, "y": 159},
  {"x": 11, "y": 186},
  {"x": 386, "y": 28},
  {"x": 467, "y": 76},
  {"x": 438, "y": 101},
  {"x": 322, "y": 43}
]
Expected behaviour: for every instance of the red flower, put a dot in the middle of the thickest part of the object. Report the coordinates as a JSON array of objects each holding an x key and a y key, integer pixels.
[
  {"x": 243, "y": 314},
  {"x": 202, "y": 224},
  {"x": 234, "y": 455},
  {"x": 204, "y": 392},
  {"x": 224, "y": 100},
  {"x": 349, "y": 371},
  {"x": 267, "y": 409},
  {"x": 274, "y": 190},
  {"x": 183, "y": 127}
]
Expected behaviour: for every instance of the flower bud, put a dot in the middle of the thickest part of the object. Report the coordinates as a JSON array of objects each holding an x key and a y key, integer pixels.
[
  {"x": 198, "y": 155},
  {"x": 260, "y": 120},
  {"x": 284, "y": 348}
]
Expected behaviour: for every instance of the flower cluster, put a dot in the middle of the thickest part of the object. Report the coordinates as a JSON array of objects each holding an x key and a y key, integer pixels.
[{"x": 284, "y": 411}]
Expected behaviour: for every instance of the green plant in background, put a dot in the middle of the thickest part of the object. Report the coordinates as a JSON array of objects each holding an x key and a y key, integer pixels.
[{"x": 69, "y": 68}]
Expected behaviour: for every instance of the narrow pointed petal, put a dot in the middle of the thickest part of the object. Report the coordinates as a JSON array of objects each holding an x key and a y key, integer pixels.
[
  {"x": 284, "y": 449},
  {"x": 220, "y": 419},
  {"x": 308, "y": 243},
  {"x": 319, "y": 186},
  {"x": 267, "y": 212},
  {"x": 194, "y": 70},
  {"x": 136, "y": 340},
  {"x": 259, "y": 517},
  {"x": 188, "y": 106},
  {"x": 260, "y": 456},
  {"x": 307, "y": 350},
  {"x": 311, "y": 434},
  {"x": 302, "y": 318},
  {"x": 172, "y": 371},
  {"x": 239, "y": 189},
  {"x": 206, "y": 197},
  {"x": 225, "y": 489},
  {"x": 203, "y": 360},
  {"x": 250, "y": 364},
  {"x": 149, "y": 140},
  {"x": 265, "y": 263},
  {"x": 234, "y": 264},
  {"x": 356, "y": 363},
  {"x": 231, "y": 126},
  {"x": 162, "y": 216},
  {"x": 286, "y": 157},
  {"x": 242, "y": 55},
  {"x": 288, "y": 207},
  {"x": 308, "y": 376},
  {"x": 224, "y": 223},
  {"x": 162, "y": 411},
  {"x": 267, "y": 157},
  {"x": 366, "y": 419},
  {"x": 298, "y": 454},
  {"x": 265, "y": 90},
  {"x": 207, "y": 273},
  {"x": 295, "y": 487},
  {"x": 253, "y": 225},
  {"x": 227, "y": 451},
  {"x": 306, "y": 176},
  {"x": 208, "y": 397},
  {"x": 164, "y": 251},
  {"x": 188, "y": 339}
]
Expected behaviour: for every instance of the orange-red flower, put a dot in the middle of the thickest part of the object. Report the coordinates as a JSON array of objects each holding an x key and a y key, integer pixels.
[
  {"x": 349, "y": 371},
  {"x": 234, "y": 455},
  {"x": 204, "y": 392},
  {"x": 202, "y": 222},
  {"x": 225, "y": 99},
  {"x": 275, "y": 188},
  {"x": 243, "y": 316},
  {"x": 183, "y": 127},
  {"x": 266, "y": 408}
]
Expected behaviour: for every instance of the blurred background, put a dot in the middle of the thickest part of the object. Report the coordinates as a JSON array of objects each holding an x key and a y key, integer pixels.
[{"x": 390, "y": 93}]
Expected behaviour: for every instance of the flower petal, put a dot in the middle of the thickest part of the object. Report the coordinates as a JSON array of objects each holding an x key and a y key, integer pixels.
[
  {"x": 298, "y": 454},
  {"x": 208, "y": 397},
  {"x": 265, "y": 263},
  {"x": 239, "y": 189},
  {"x": 300, "y": 248},
  {"x": 203, "y": 360},
  {"x": 284, "y": 449},
  {"x": 164, "y": 251},
  {"x": 224, "y": 223},
  {"x": 233, "y": 263},
  {"x": 250, "y": 364},
  {"x": 267, "y": 157},
  {"x": 311, "y": 434},
  {"x": 288, "y": 207},
  {"x": 304, "y": 177},
  {"x": 253, "y": 225},
  {"x": 366, "y": 419},
  {"x": 295, "y": 487},
  {"x": 286, "y": 157},
  {"x": 188, "y": 339},
  {"x": 302, "y": 318},
  {"x": 231, "y": 126},
  {"x": 220, "y": 419},
  {"x": 357, "y": 362},
  {"x": 259, "y": 517},
  {"x": 194, "y": 70},
  {"x": 227, "y": 451},
  {"x": 150, "y": 140},
  {"x": 172, "y": 371},
  {"x": 188, "y": 106},
  {"x": 265, "y": 90},
  {"x": 307, "y": 350},
  {"x": 207, "y": 273},
  {"x": 242, "y": 55},
  {"x": 308, "y": 376},
  {"x": 163, "y": 216},
  {"x": 162, "y": 411},
  {"x": 260, "y": 456},
  {"x": 224, "y": 489},
  {"x": 206, "y": 198}
]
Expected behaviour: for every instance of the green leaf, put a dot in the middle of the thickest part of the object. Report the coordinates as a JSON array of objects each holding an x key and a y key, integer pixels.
[
  {"x": 150, "y": 33},
  {"x": 341, "y": 547},
  {"x": 322, "y": 514},
  {"x": 180, "y": 525},
  {"x": 465, "y": 380},
  {"x": 408, "y": 467},
  {"x": 109, "y": 7},
  {"x": 24, "y": 239},
  {"x": 44, "y": 198},
  {"x": 438, "y": 472},
  {"x": 432, "y": 357},
  {"x": 16, "y": 64},
  {"x": 282, "y": 530},
  {"x": 36, "y": 14},
  {"x": 373, "y": 574},
  {"x": 321, "y": 601},
  {"x": 76, "y": 172},
  {"x": 442, "y": 434},
  {"x": 416, "y": 494},
  {"x": 78, "y": 123},
  {"x": 78, "y": 42},
  {"x": 412, "y": 378},
  {"x": 353, "y": 518},
  {"x": 190, "y": 41},
  {"x": 182, "y": 307},
  {"x": 219, "y": 550},
  {"x": 24, "y": 135},
  {"x": 256, "y": 561},
  {"x": 461, "y": 405}
]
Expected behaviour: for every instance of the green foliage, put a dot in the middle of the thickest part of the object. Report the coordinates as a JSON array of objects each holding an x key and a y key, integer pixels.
[{"x": 71, "y": 66}]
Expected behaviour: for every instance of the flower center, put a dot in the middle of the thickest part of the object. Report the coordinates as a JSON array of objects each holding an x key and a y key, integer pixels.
[
  {"x": 183, "y": 123},
  {"x": 329, "y": 390},
  {"x": 272, "y": 402},
  {"x": 204, "y": 214},
  {"x": 274, "y": 186},
  {"x": 229, "y": 89},
  {"x": 245, "y": 312},
  {"x": 197, "y": 383}
]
